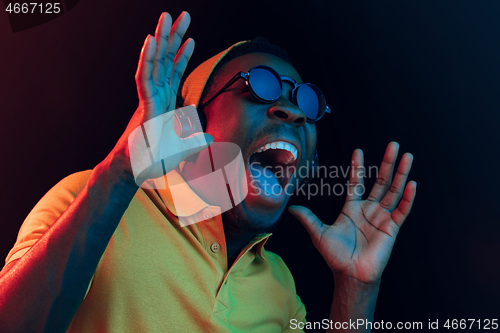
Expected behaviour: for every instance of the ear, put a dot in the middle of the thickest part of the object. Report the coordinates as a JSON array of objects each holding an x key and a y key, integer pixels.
[{"x": 315, "y": 163}]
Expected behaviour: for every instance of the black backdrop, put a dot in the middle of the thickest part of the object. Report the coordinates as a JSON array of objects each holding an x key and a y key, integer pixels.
[{"x": 422, "y": 73}]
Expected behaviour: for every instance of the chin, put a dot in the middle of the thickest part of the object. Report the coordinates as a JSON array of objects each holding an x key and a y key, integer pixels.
[{"x": 251, "y": 217}]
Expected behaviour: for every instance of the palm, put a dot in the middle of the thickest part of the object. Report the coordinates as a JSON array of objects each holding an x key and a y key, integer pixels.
[
  {"x": 163, "y": 98},
  {"x": 355, "y": 245},
  {"x": 358, "y": 244},
  {"x": 160, "y": 100}
]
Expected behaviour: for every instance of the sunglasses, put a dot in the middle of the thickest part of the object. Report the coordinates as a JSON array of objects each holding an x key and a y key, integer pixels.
[{"x": 266, "y": 86}]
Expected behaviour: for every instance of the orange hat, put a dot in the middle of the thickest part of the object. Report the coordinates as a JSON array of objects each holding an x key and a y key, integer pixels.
[{"x": 195, "y": 83}]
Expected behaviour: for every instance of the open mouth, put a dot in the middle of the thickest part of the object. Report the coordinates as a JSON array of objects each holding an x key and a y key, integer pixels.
[{"x": 273, "y": 165}]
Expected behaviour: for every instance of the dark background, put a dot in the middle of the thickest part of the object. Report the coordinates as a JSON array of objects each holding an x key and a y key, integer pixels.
[{"x": 424, "y": 74}]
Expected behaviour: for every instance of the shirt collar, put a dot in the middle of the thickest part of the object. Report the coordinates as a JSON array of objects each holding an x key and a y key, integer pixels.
[
  {"x": 259, "y": 242},
  {"x": 188, "y": 203}
]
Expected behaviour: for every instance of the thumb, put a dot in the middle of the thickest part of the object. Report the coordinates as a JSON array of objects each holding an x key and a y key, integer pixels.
[
  {"x": 309, "y": 220},
  {"x": 195, "y": 143}
]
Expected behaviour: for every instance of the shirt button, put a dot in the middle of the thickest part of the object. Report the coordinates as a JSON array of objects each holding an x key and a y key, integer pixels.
[
  {"x": 208, "y": 216},
  {"x": 215, "y": 247}
]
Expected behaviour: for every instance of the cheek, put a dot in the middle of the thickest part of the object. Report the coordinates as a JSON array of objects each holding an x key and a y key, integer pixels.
[
  {"x": 224, "y": 122},
  {"x": 311, "y": 138}
]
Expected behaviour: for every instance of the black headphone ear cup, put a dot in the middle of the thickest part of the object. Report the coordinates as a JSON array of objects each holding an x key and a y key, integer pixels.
[
  {"x": 187, "y": 121},
  {"x": 194, "y": 118}
]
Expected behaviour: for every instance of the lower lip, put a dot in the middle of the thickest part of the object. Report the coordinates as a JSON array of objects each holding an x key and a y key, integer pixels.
[{"x": 257, "y": 193}]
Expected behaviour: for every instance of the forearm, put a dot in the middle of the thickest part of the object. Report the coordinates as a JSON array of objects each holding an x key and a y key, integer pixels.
[
  {"x": 44, "y": 288},
  {"x": 352, "y": 300}
]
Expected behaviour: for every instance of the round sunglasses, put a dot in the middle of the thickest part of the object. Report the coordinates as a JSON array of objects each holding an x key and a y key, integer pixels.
[{"x": 266, "y": 86}]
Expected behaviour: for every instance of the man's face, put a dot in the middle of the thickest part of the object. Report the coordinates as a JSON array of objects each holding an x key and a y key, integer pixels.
[{"x": 236, "y": 116}]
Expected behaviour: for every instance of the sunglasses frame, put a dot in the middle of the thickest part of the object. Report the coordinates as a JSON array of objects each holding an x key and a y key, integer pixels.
[{"x": 246, "y": 77}]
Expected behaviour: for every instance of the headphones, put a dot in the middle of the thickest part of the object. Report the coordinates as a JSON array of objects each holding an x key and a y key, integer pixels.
[{"x": 187, "y": 121}]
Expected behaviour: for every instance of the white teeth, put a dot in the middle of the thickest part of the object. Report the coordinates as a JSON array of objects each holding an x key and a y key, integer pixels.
[{"x": 280, "y": 145}]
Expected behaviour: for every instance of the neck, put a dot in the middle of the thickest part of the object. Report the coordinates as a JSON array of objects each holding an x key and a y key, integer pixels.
[
  {"x": 236, "y": 234},
  {"x": 236, "y": 240}
]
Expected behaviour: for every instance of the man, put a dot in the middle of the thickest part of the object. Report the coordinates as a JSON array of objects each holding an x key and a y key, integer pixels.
[{"x": 98, "y": 253}]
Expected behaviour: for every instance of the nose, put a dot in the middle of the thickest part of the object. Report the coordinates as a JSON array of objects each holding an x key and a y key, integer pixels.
[{"x": 284, "y": 110}]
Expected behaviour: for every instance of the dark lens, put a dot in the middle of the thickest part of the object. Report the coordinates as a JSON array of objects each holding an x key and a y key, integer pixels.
[
  {"x": 310, "y": 99},
  {"x": 265, "y": 84}
]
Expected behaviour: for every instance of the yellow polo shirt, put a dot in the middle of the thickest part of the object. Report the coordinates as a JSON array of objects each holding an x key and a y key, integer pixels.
[{"x": 156, "y": 276}]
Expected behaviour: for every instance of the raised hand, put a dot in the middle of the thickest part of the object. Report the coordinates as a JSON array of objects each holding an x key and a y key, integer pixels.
[
  {"x": 359, "y": 243},
  {"x": 161, "y": 66}
]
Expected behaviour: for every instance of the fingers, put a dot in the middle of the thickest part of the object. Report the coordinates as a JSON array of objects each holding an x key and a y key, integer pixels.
[
  {"x": 356, "y": 181},
  {"x": 395, "y": 192},
  {"x": 161, "y": 37},
  {"x": 180, "y": 64},
  {"x": 401, "y": 212},
  {"x": 143, "y": 77},
  {"x": 385, "y": 173},
  {"x": 309, "y": 220},
  {"x": 177, "y": 32}
]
